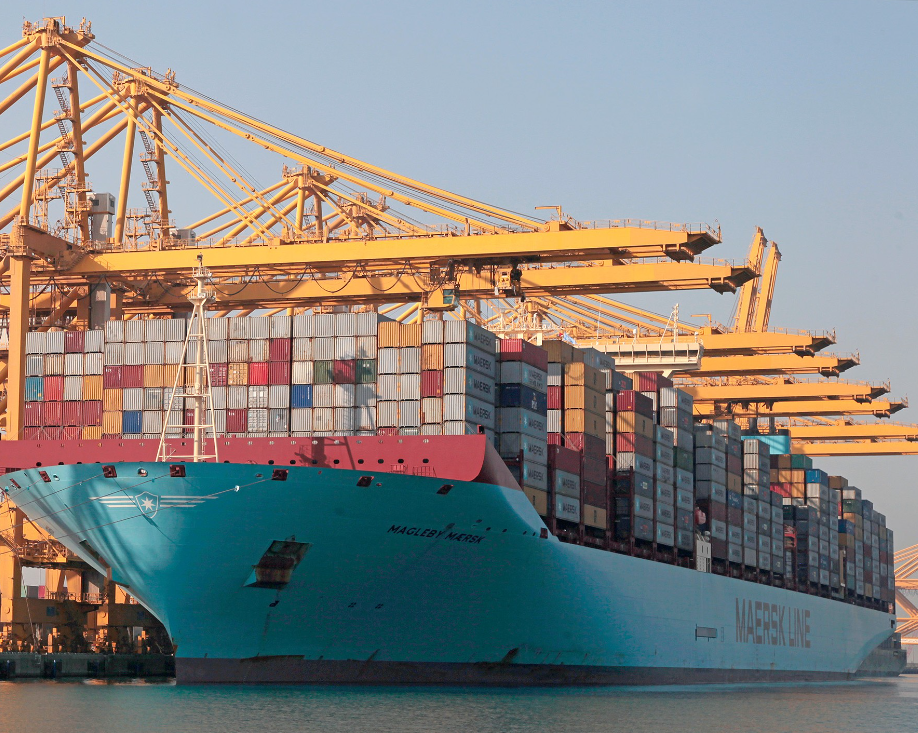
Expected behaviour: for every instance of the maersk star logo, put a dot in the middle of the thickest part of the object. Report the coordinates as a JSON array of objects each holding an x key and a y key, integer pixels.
[{"x": 147, "y": 503}]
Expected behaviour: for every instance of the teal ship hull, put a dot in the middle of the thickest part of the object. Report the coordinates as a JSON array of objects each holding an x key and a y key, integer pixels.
[{"x": 405, "y": 579}]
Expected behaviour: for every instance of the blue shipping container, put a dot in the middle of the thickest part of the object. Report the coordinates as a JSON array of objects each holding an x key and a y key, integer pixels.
[
  {"x": 301, "y": 395},
  {"x": 131, "y": 421},
  {"x": 816, "y": 476},
  {"x": 735, "y": 500},
  {"x": 519, "y": 395},
  {"x": 34, "y": 389}
]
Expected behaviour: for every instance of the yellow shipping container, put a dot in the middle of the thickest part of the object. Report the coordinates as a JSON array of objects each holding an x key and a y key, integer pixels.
[
  {"x": 581, "y": 421},
  {"x": 432, "y": 357},
  {"x": 410, "y": 334},
  {"x": 561, "y": 352},
  {"x": 153, "y": 375},
  {"x": 539, "y": 500},
  {"x": 237, "y": 375},
  {"x": 579, "y": 397},
  {"x": 92, "y": 432},
  {"x": 112, "y": 399},
  {"x": 169, "y": 373},
  {"x": 580, "y": 373},
  {"x": 593, "y": 516},
  {"x": 798, "y": 476},
  {"x": 389, "y": 332},
  {"x": 92, "y": 387},
  {"x": 632, "y": 422},
  {"x": 111, "y": 422},
  {"x": 734, "y": 483}
]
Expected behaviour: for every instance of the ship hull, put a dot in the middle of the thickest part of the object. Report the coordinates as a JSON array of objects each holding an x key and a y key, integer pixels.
[{"x": 402, "y": 582}]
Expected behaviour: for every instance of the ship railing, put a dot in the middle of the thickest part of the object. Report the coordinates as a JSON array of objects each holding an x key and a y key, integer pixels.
[{"x": 92, "y": 598}]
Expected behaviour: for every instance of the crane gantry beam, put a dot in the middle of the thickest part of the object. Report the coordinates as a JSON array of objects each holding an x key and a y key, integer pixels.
[
  {"x": 850, "y": 448},
  {"x": 778, "y": 390},
  {"x": 826, "y": 365},
  {"x": 838, "y": 430},
  {"x": 793, "y": 408}
]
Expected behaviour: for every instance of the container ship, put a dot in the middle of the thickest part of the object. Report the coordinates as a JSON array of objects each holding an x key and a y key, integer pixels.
[{"x": 342, "y": 498}]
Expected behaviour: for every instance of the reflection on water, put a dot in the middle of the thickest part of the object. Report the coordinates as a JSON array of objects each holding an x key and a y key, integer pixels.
[{"x": 132, "y": 706}]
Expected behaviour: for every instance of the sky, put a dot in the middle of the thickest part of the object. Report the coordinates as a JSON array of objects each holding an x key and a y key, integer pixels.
[{"x": 798, "y": 117}]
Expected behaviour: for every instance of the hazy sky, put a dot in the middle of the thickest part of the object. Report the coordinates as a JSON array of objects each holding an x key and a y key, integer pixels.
[{"x": 799, "y": 117}]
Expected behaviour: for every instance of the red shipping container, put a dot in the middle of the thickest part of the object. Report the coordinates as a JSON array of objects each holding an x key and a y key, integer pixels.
[
  {"x": 31, "y": 433},
  {"x": 279, "y": 350},
  {"x": 719, "y": 549},
  {"x": 32, "y": 415},
  {"x": 52, "y": 413},
  {"x": 589, "y": 445},
  {"x": 92, "y": 412},
  {"x": 237, "y": 421},
  {"x": 564, "y": 459},
  {"x": 520, "y": 350},
  {"x": 218, "y": 374},
  {"x": 555, "y": 401},
  {"x": 73, "y": 342},
  {"x": 735, "y": 516},
  {"x": 73, "y": 413},
  {"x": 713, "y": 509},
  {"x": 784, "y": 489},
  {"x": 651, "y": 381},
  {"x": 735, "y": 465},
  {"x": 132, "y": 376},
  {"x": 53, "y": 388},
  {"x": 345, "y": 371},
  {"x": 594, "y": 470},
  {"x": 595, "y": 494},
  {"x": 52, "y": 433},
  {"x": 279, "y": 372},
  {"x": 634, "y": 443},
  {"x": 630, "y": 400},
  {"x": 111, "y": 377},
  {"x": 72, "y": 432},
  {"x": 431, "y": 384},
  {"x": 258, "y": 375},
  {"x": 555, "y": 439}
]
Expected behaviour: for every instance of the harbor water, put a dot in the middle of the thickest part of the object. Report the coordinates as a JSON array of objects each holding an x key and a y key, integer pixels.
[{"x": 878, "y": 706}]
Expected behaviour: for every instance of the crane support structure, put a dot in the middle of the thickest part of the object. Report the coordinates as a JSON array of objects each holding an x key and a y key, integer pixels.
[
  {"x": 826, "y": 365},
  {"x": 794, "y": 408},
  {"x": 718, "y": 394}
]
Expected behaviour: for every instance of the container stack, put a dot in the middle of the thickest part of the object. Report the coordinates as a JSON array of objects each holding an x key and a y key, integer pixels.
[
  {"x": 522, "y": 439},
  {"x": 635, "y": 467},
  {"x": 757, "y": 485},
  {"x": 675, "y": 413},
  {"x": 723, "y": 509},
  {"x": 866, "y": 548},
  {"x": 470, "y": 380}
]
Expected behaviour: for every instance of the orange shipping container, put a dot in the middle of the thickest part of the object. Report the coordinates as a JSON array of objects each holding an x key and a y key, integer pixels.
[
  {"x": 92, "y": 432},
  {"x": 581, "y": 421},
  {"x": 432, "y": 357},
  {"x": 237, "y": 375},
  {"x": 153, "y": 375},
  {"x": 169, "y": 374},
  {"x": 561, "y": 352},
  {"x": 580, "y": 373},
  {"x": 92, "y": 387},
  {"x": 583, "y": 398},
  {"x": 632, "y": 422},
  {"x": 111, "y": 422},
  {"x": 410, "y": 334},
  {"x": 389, "y": 332},
  {"x": 798, "y": 476},
  {"x": 734, "y": 483},
  {"x": 112, "y": 399}
]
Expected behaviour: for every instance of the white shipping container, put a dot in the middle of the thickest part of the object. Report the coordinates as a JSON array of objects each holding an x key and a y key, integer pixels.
[
  {"x": 36, "y": 341},
  {"x": 387, "y": 362},
  {"x": 366, "y": 347},
  {"x": 323, "y": 395},
  {"x": 54, "y": 365},
  {"x": 365, "y": 395},
  {"x": 93, "y": 341},
  {"x": 345, "y": 395},
  {"x": 55, "y": 342},
  {"x": 409, "y": 387},
  {"x": 324, "y": 326},
  {"x": 279, "y": 396},
  {"x": 464, "y": 355},
  {"x": 323, "y": 420},
  {"x": 155, "y": 330},
  {"x": 73, "y": 388},
  {"x": 518, "y": 420},
  {"x": 368, "y": 323},
  {"x": 387, "y": 414},
  {"x": 258, "y": 349},
  {"x": 409, "y": 360},
  {"x": 237, "y": 328},
  {"x": 465, "y": 332},
  {"x": 323, "y": 349},
  {"x": 133, "y": 331},
  {"x": 154, "y": 351},
  {"x": 73, "y": 364},
  {"x": 237, "y": 398},
  {"x": 114, "y": 331},
  {"x": 555, "y": 373},
  {"x": 257, "y": 327},
  {"x": 258, "y": 397},
  {"x": 279, "y": 327},
  {"x": 278, "y": 421},
  {"x": 365, "y": 418},
  {"x": 459, "y": 427},
  {"x": 132, "y": 398},
  {"x": 553, "y": 424},
  {"x": 301, "y": 372},
  {"x": 469, "y": 409},
  {"x": 345, "y": 346},
  {"x": 409, "y": 413},
  {"x": 431, "y": 410},
  {"x": 345, "y": 324},
  {"x": 301, "y": 419},
  {"x": 432, "y": 332},
  {"x": 173, "y": 351},
  {"x": 153, "y": 398},
  {"x": 219, "y": 397},
  {"x": 302, "y": 349},
  {"x": 217, "y": 329},
  {"x": 460, "y": 380},
  {"x": 388, "y": 386},
  {"x": 153, "y": 422},
  {"x": 344, "y": 420},
  {"x": 35, "y": 365},
  {"x": 134, "y": 352},
  {"x": 517, "y": 372},
  {"x": 432, "y": 429},
  {"x": 258, "y": 420},
  {"x": 175, "y": 329}
]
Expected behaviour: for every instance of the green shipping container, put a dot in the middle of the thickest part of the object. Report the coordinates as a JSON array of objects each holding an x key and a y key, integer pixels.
[
  {"x": 800, "y": 461},
  {"x": 324, "y": 372},
  {"x": 366, "y": 371},
  {"x": 685, "y": 459}
]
